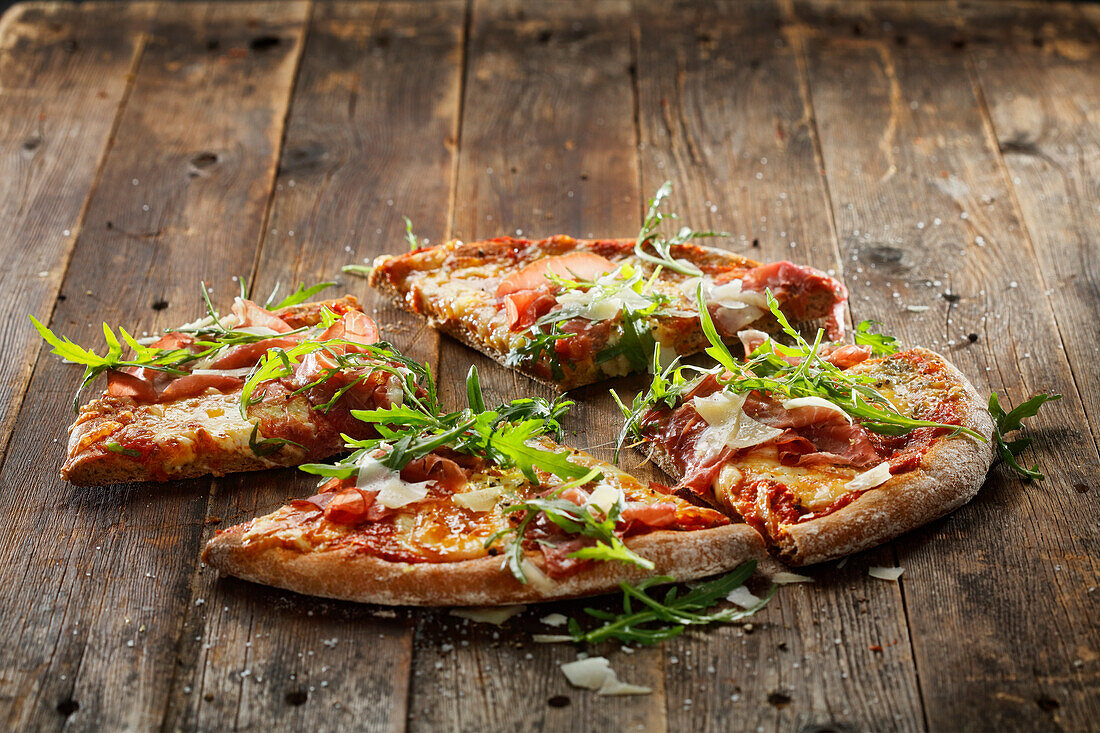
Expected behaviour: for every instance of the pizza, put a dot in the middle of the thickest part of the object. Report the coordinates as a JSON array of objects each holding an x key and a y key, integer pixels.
[
  {"x": 253, "y": 389},
  {"x": 824, "y": 450},
  {"x": 478, "y": 507},
  {"x": 570, "y": 312}
]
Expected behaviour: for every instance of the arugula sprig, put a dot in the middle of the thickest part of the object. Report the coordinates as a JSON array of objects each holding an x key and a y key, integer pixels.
[
  {"x": 788, "y": 372},
  {"x": 586, "y": 521},
  {"x": 211, "y": 335},
  {"x": 647, "y": 620},
  {"x": 418, "y": 426},
  {"x": 171, "y": 361},
  {"x": 1011, "y": 421},
  {"x": 663, "y": 245}
]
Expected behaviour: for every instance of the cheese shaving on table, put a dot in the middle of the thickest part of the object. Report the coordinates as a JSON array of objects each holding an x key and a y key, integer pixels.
[
  {"x": 393, "y": 492},
  {"x": 870, "y": 478},
  {"x": 729, "y": 426},
  {"x": 551, "y": 638},
  {"x": 555, "y": 619},
  {"x": 743, "y": 597},
  {"x": 495, "y": 616},
  {"x": 885, "y": 573},
  {"x": 785, "y": 578},
  {"x": 595, "y": 673}
]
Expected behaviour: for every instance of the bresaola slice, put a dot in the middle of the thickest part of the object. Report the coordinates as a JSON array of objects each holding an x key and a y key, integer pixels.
[{"x": 509, "y": 298}]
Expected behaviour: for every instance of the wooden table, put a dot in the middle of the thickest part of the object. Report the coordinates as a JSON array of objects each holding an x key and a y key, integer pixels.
[{"x": 943, "y": 160}]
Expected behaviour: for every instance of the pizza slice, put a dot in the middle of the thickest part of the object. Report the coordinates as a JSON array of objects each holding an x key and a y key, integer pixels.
[
  {"x": 570, "y": 312},
  {"x": 476, "y": 507},
  {"x": 257, "y": 388},
  {"x": 824, "y": 449}
]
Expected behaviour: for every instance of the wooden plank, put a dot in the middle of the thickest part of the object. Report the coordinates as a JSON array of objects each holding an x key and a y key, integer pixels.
[
  {"x": 1039, "y": 74},
  {"x": 997, "y": 594},
  {"x": 547, "y": 147},
  {"x": 722, "y": 114},
  {"x": 63, "y": 75},
  {"x": 370, "y": 138},
  {"x": 95, "y": 581}
]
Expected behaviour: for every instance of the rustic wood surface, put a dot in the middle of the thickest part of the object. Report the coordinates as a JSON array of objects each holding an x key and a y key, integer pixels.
[{"x": 943, "y": 159}]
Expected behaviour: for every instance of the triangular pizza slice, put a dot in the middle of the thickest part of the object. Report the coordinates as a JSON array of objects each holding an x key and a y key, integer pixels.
[
  {"x": 255, "y": 388},
  {"x": 477, "y": 507},
  {"x": 570, "y": 312},
  {"x": 824, "y": 449}
]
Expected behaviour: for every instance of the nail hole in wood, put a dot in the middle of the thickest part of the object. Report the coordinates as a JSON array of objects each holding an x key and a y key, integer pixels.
[
  {"x": 204, "y": 160},
  {"x": 32, "y": 143},
  {"x": 1047, "y": 703},
  {"x": 756, "y": 243},
  {"x": 558, "y": 701},
  {"x": 264, "y": 43},
  {"x": 1081, "y": 488},
  {"x": 779, "y": 699},
  {"x": 952, "y": 297},
  {"x": 213, "y": 44},
  {"x": 958, "y": 44},
  {"x": 68, "y": 706},
  {"x": 972, "y": 337},
  {"x": 297, "y": 697},
  {"x": 544, "y": 36},
  {"x": 159, "y": 304},
  {"x": 110, "y": 225}
]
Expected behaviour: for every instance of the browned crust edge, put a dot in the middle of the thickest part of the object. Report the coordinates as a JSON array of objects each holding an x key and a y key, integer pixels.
[
  {"x": 353, "y": 576},
  {"x": 949, "y": 475}
]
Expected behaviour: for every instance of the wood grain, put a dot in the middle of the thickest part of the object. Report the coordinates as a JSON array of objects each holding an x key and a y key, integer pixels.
[
  {"x": 1038, "y": 70},
  {"x": 925, "y": 218},
  {"x": 722, "y": 113},
  {"x": 370, "y": 138},
  {"x": 547, "y": 146},
  {"x": 63, "y": 74},
  {"x": 96, "y": 580}
]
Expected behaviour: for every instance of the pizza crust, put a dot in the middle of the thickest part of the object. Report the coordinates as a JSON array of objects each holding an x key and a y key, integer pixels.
[
  {"x": 356, "y": 576},
  {"x": 950, "y": 474}
]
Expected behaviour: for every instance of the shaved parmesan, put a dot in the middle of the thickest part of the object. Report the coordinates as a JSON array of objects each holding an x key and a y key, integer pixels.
[
  {"x": 256, "y": 330},
  {"x": 242, "y": 372},
  {"x": 784, "y": 578},
  {"x": 733, "y": 307},
  {"x": 393, "y": 492},
  {"x": 481, "y": 500},
  {"x": 554, "y": 619},
  {"x": 610, "y": 296},
  {"x": 870, "y": 478},
  {"x": 819, "y": 402},
  {"x": 595, "y": 673},
  {"x": 743, "y": 597},
  {"x": 550, "y": 638},
  {"x": 496, "y": 616},
  {"x": 729, "y": 426},
  {"x": 885, "y": 573},
  {"x": 538, "y": 580},
  {"x": 604, "y": 497}
]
